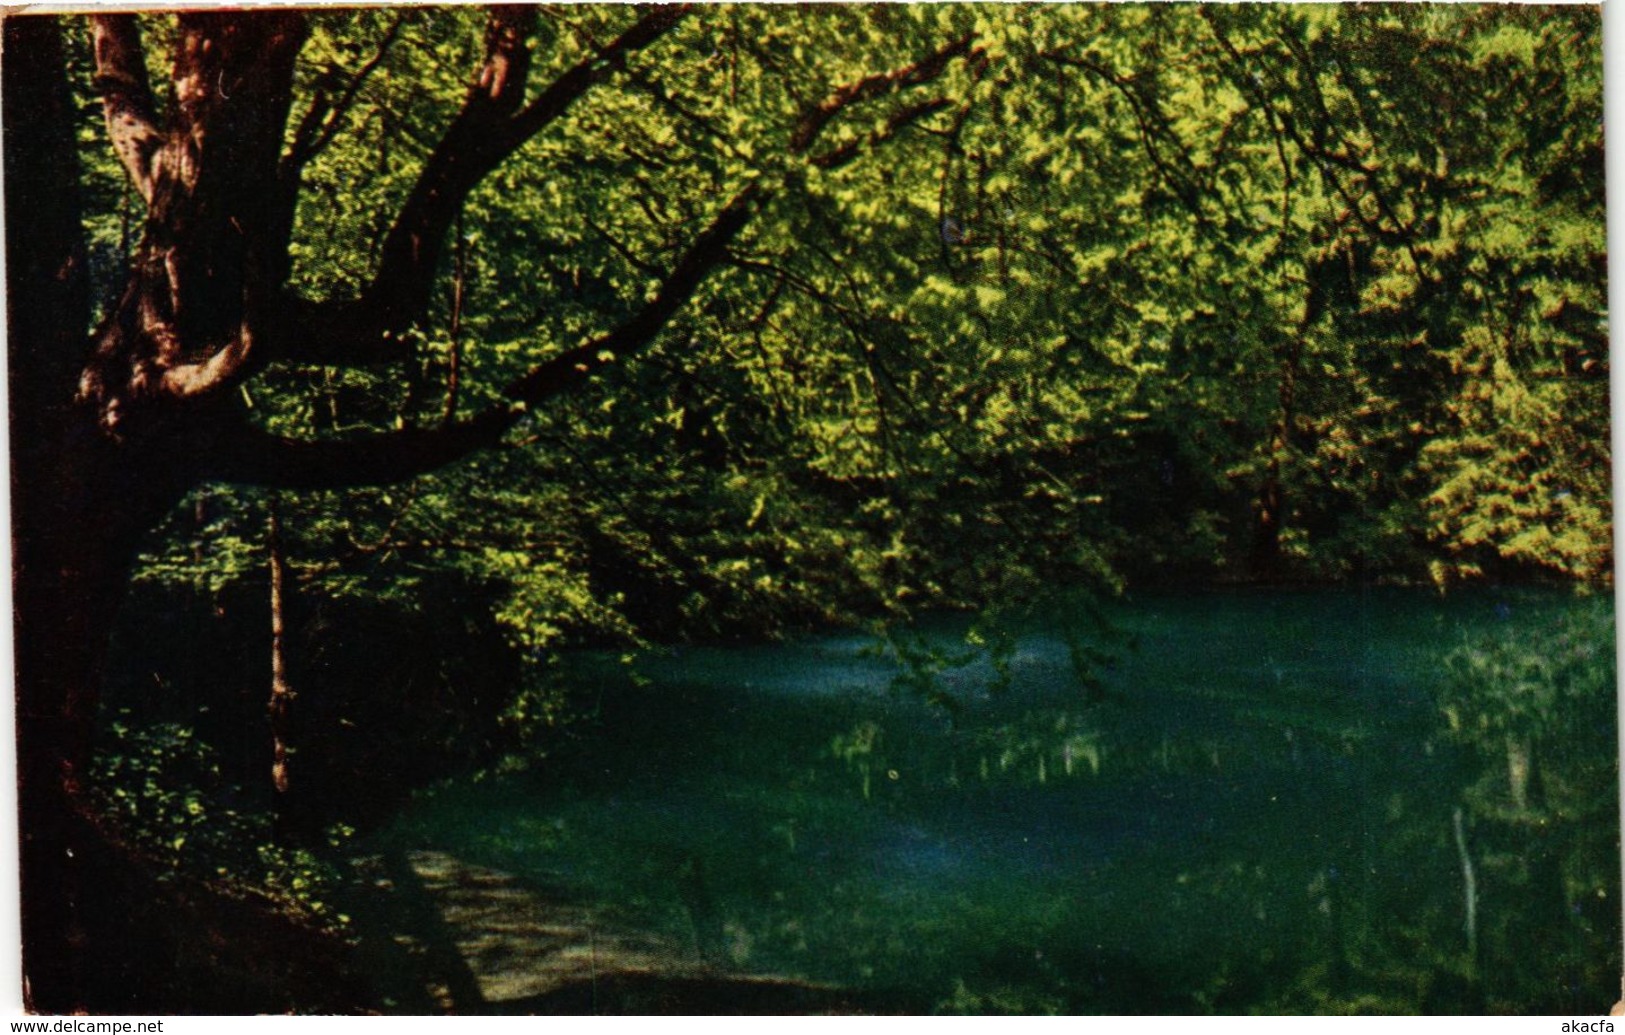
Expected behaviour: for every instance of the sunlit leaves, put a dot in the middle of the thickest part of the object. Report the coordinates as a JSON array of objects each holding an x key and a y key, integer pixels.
[{"x": 1083, "y": 300}]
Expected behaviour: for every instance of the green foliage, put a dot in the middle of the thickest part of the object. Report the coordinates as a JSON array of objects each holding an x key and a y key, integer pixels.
[
  {"x": 166, "y": 791},
  {"x": 1139, "y": 294}
]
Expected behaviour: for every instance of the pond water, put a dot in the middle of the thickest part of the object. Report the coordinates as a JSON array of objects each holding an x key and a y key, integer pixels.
[{"x": 1258, "y": 804}]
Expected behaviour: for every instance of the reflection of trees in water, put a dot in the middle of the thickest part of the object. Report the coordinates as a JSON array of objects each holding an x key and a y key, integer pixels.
[
  {"x": 1479, "y": 876},
  {"x": 1531, "y": 702},
  {"x": 1498, "y": 890}
]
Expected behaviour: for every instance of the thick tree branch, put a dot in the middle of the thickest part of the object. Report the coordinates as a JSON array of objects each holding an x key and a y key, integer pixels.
[
  {"x": 482, "y": 136},
  {"x": 121, "y": 76},
  {"x": 814, "y": 121},
  {"x": 839, "y": 156},
  {"x": 704, "y": 255},
  {"x": 711, "y": 248},
  {"x": 252, "y": 456},
  {"x": 248, "y": 455},
  {"x": 489, "y": 128},
  {"x": 552, "y": 102}
]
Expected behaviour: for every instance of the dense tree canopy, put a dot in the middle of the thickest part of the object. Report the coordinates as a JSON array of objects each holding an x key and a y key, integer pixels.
[{"x": 617, "y": 323}]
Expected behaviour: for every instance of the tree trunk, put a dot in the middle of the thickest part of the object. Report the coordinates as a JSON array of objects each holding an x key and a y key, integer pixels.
[
  {"x": 91, "y": 475},
  {"x": 281, "y": 693},
  {"x": 1270, "y": 507},
  {"x": 66, "y": 541}
]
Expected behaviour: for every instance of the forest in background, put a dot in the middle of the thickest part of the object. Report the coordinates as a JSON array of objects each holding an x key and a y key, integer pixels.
[{"x": 430, "y": 343}]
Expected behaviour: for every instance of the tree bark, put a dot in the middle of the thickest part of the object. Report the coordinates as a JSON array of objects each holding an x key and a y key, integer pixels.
[
  {"x": 206, "y": 271},
  {"x": 87, "y": 480}
]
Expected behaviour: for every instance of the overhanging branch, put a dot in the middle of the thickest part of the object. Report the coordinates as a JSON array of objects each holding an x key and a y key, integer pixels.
[
  {"x": 490, "y": 126},
  {"x": 250, "y": 456},
  {"x": 814, "y": 120},
  {"x": 253, "y": 456},
  {"x": 706, "y": 253},
  {"x": 839, "y": 156}
]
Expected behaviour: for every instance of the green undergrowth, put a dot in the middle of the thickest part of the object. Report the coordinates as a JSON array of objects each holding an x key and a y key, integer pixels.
[{"x": 165, "y": 790}]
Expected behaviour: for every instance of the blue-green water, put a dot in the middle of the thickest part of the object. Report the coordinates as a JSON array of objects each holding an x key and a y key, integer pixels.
[{"x": 1256, "y": 809}]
